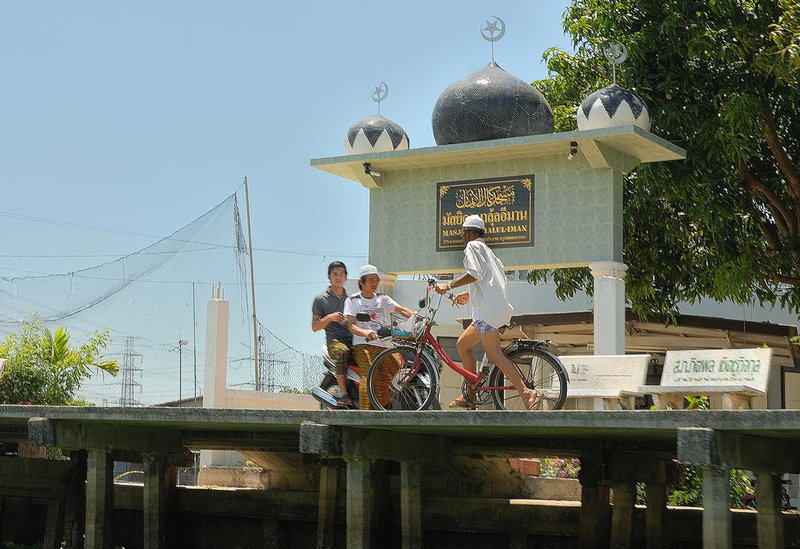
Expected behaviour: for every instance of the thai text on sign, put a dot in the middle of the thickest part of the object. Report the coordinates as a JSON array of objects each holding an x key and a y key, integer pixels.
[
  {"x": 505, "y": 204},
  {"x": 747, "y": 367}
]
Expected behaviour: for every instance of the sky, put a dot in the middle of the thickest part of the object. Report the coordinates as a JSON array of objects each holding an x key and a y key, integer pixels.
[{"x": 138, "y": 117}]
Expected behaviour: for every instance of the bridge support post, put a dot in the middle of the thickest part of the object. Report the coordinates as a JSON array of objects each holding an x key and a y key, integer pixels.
[
  {"x": 595, "y": 508},
  {"x": 654, "y": 515},
  {"x": 360, "y": 490},
  {"x": 770, "y": 514},
  {"x": 328, "y": 495},
  {"x": 624, "y": 498},
  {"x": 717, "y": 532},
  {"x": 159, "y": 486},
  {"x": 411, "y": 504},
  {"x": 99, "y": 499}
]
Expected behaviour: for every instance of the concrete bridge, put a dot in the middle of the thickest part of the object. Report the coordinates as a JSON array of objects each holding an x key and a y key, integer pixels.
[{"x": 385, "y": 479}]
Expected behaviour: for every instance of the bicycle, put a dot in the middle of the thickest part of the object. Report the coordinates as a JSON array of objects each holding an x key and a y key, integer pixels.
[{"x": 417, "y": 359}]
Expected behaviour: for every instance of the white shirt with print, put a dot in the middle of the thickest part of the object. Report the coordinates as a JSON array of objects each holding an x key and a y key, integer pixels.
[
  {"x": 488, "y": 297},
  {"x": 379, "y": 307}
]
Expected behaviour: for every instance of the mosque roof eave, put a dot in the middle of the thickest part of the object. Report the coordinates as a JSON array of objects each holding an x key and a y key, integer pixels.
[{"x": 629, "y": 140}]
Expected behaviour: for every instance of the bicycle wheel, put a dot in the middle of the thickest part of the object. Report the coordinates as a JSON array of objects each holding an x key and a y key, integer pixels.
[
  {"x": 394, "y": 384},
  {"x": 543, "y": 373}
]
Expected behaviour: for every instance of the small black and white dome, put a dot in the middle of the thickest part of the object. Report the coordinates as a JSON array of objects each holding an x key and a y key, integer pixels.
[
  {"x": 613, "y": 106},
  {"x": 375, "y": 134},
  {"x": 490, "y": 104}
]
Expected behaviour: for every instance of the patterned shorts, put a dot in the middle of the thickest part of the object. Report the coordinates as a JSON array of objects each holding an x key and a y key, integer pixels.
[
  {"x": 364, "y": 355},
  {"x": 340, "y": 355},
  {"x": 483, "y": 327}
]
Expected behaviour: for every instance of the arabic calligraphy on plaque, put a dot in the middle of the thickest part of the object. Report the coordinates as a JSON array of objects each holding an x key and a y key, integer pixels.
[{"x": 505, "y": 204}]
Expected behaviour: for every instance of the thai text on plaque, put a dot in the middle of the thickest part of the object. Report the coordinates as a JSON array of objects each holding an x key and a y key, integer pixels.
[{"x": 505, "y": 204}]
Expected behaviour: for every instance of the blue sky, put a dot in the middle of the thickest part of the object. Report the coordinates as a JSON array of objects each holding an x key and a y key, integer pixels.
[{"x": 140, "y": 116}]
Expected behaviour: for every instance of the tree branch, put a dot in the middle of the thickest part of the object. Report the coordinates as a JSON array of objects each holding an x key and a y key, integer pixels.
[
  {"x": 786, "y": 222},
  {"x": 791, "y": 280},
  {"x": 784, "y": 162}
]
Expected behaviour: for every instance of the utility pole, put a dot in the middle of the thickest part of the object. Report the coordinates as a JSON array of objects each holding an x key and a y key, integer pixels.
[
  {"x": 181, "y": 343},
  {"x": 252, "y": 286}
]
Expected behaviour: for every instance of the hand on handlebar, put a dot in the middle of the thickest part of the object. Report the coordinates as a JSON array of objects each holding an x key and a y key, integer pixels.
[
  {"x": 461, "y": 299},
  {"x": 442, "y": 288},
  {"x": 372, "y": 335}
]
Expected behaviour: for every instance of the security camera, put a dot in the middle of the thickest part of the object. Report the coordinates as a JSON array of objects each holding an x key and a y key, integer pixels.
[
  {"x": 573, "y": 150},
  {"x": 369, "y": 171}
]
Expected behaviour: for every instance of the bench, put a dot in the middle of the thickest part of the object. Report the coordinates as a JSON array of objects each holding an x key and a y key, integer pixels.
[
  {"x": 739, "y": 375},
  {"x": 613, "y": 380}
]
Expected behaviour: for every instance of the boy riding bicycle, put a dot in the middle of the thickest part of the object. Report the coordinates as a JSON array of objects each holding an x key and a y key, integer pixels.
[{"x": 490, "y": 308}]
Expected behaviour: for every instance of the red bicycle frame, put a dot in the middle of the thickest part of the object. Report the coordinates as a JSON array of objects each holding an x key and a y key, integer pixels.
[{"x": 428, "y": 339}]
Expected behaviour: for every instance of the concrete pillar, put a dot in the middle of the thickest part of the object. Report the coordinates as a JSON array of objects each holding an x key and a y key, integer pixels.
[
  {"x": 360, "y": 488},
  {"x": 717, "y": 532},
  {"x": 595, "y": 516},
  {"x": 52, "y": 535},
  {"x": 656, "y": 495},
  {"x": 411, "y": 526},
  {"x": 159, "y": 483},
  {"x": 216, "y": 369},
  {"x": 770, "y": 512},
  {"x": 624, "y": 498},
  {"x": 387, "y": 284},
  {"x": 609, "y": 307},
  {"x": 99, "y": 499},
  {"x": 326, "y": 519}
]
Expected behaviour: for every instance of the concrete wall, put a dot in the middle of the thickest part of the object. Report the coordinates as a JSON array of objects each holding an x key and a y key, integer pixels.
[{"x": 578, "y": 214}]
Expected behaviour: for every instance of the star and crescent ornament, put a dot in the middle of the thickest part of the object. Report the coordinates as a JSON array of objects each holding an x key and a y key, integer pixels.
[
  {"x": 616, "y": 54},
  {"x": 493, "y": 31},
  {"x": 491, "y": 28},
  {"x": 380, "y": 93}
]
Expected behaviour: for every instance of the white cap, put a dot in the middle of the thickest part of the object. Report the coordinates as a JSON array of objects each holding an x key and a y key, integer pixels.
[
  {"x": 474, "y": 222},
  {"x": 367, "y": 270}
]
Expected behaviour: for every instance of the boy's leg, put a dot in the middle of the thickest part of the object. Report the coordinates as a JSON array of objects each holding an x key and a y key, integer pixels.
[
  {"x": 362, "y": 358},
  {"x": 491, "y": 344},
  {"x": 384, "y": 373},
  {"x": 340, "y": 354},
  {"x": 466, "y": 341}
]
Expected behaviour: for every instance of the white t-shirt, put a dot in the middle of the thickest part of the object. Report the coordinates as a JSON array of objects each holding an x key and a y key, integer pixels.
[
  {"x": 379, "y": 307},
  {"x": 488, "y": 297}
]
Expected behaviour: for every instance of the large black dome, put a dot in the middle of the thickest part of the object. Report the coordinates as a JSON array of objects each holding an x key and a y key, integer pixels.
[{"x": 490, "y": 104}]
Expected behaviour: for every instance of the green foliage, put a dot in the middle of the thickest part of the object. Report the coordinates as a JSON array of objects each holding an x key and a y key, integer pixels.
[
  {"x": 43, "y": 368},
  {"x": 560, "y": 467},
  {"x": 689, "y": 492},
  {"x": 721, "y": 79}
]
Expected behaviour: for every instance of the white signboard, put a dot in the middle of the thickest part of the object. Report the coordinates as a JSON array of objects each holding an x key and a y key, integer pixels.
[
  {"x": 718, "y": 367},
  {"x": 606, "y": 372}
]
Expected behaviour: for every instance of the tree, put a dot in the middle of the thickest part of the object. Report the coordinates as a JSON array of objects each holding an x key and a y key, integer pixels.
[
  {"x": 721, "y": 78},
  {"x": 43, "y": 368}
]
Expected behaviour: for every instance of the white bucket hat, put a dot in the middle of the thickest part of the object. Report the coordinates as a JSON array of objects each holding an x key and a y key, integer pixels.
[
  {"x": 474, "y": 222},
  {"x": 367, "y": 270}
]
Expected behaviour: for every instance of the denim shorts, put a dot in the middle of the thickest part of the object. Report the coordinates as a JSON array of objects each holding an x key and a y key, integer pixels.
[{"x": 483, "y": 327}]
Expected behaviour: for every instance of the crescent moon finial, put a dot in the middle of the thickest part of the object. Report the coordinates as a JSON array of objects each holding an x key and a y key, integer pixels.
[
  {"x": 380, "y": 93},
  {"x": 616, "y": 54},
  {"x": 488, "y": 32}
]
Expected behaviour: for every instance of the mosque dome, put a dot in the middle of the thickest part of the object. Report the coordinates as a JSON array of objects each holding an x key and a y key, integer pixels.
[
  {"x": 375, "y": 134},
  {"x": 490, "y": 104},
  {"x": 613, "y": 106}
]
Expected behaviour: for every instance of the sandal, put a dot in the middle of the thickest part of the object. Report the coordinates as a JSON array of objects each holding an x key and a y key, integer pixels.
[
  {"x": 468, "y": 402},
  {"x": 461, "y": 402}
]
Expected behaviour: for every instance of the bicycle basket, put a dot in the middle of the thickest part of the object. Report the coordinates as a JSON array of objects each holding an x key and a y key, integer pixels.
[{"x": 405, "y": 328}]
